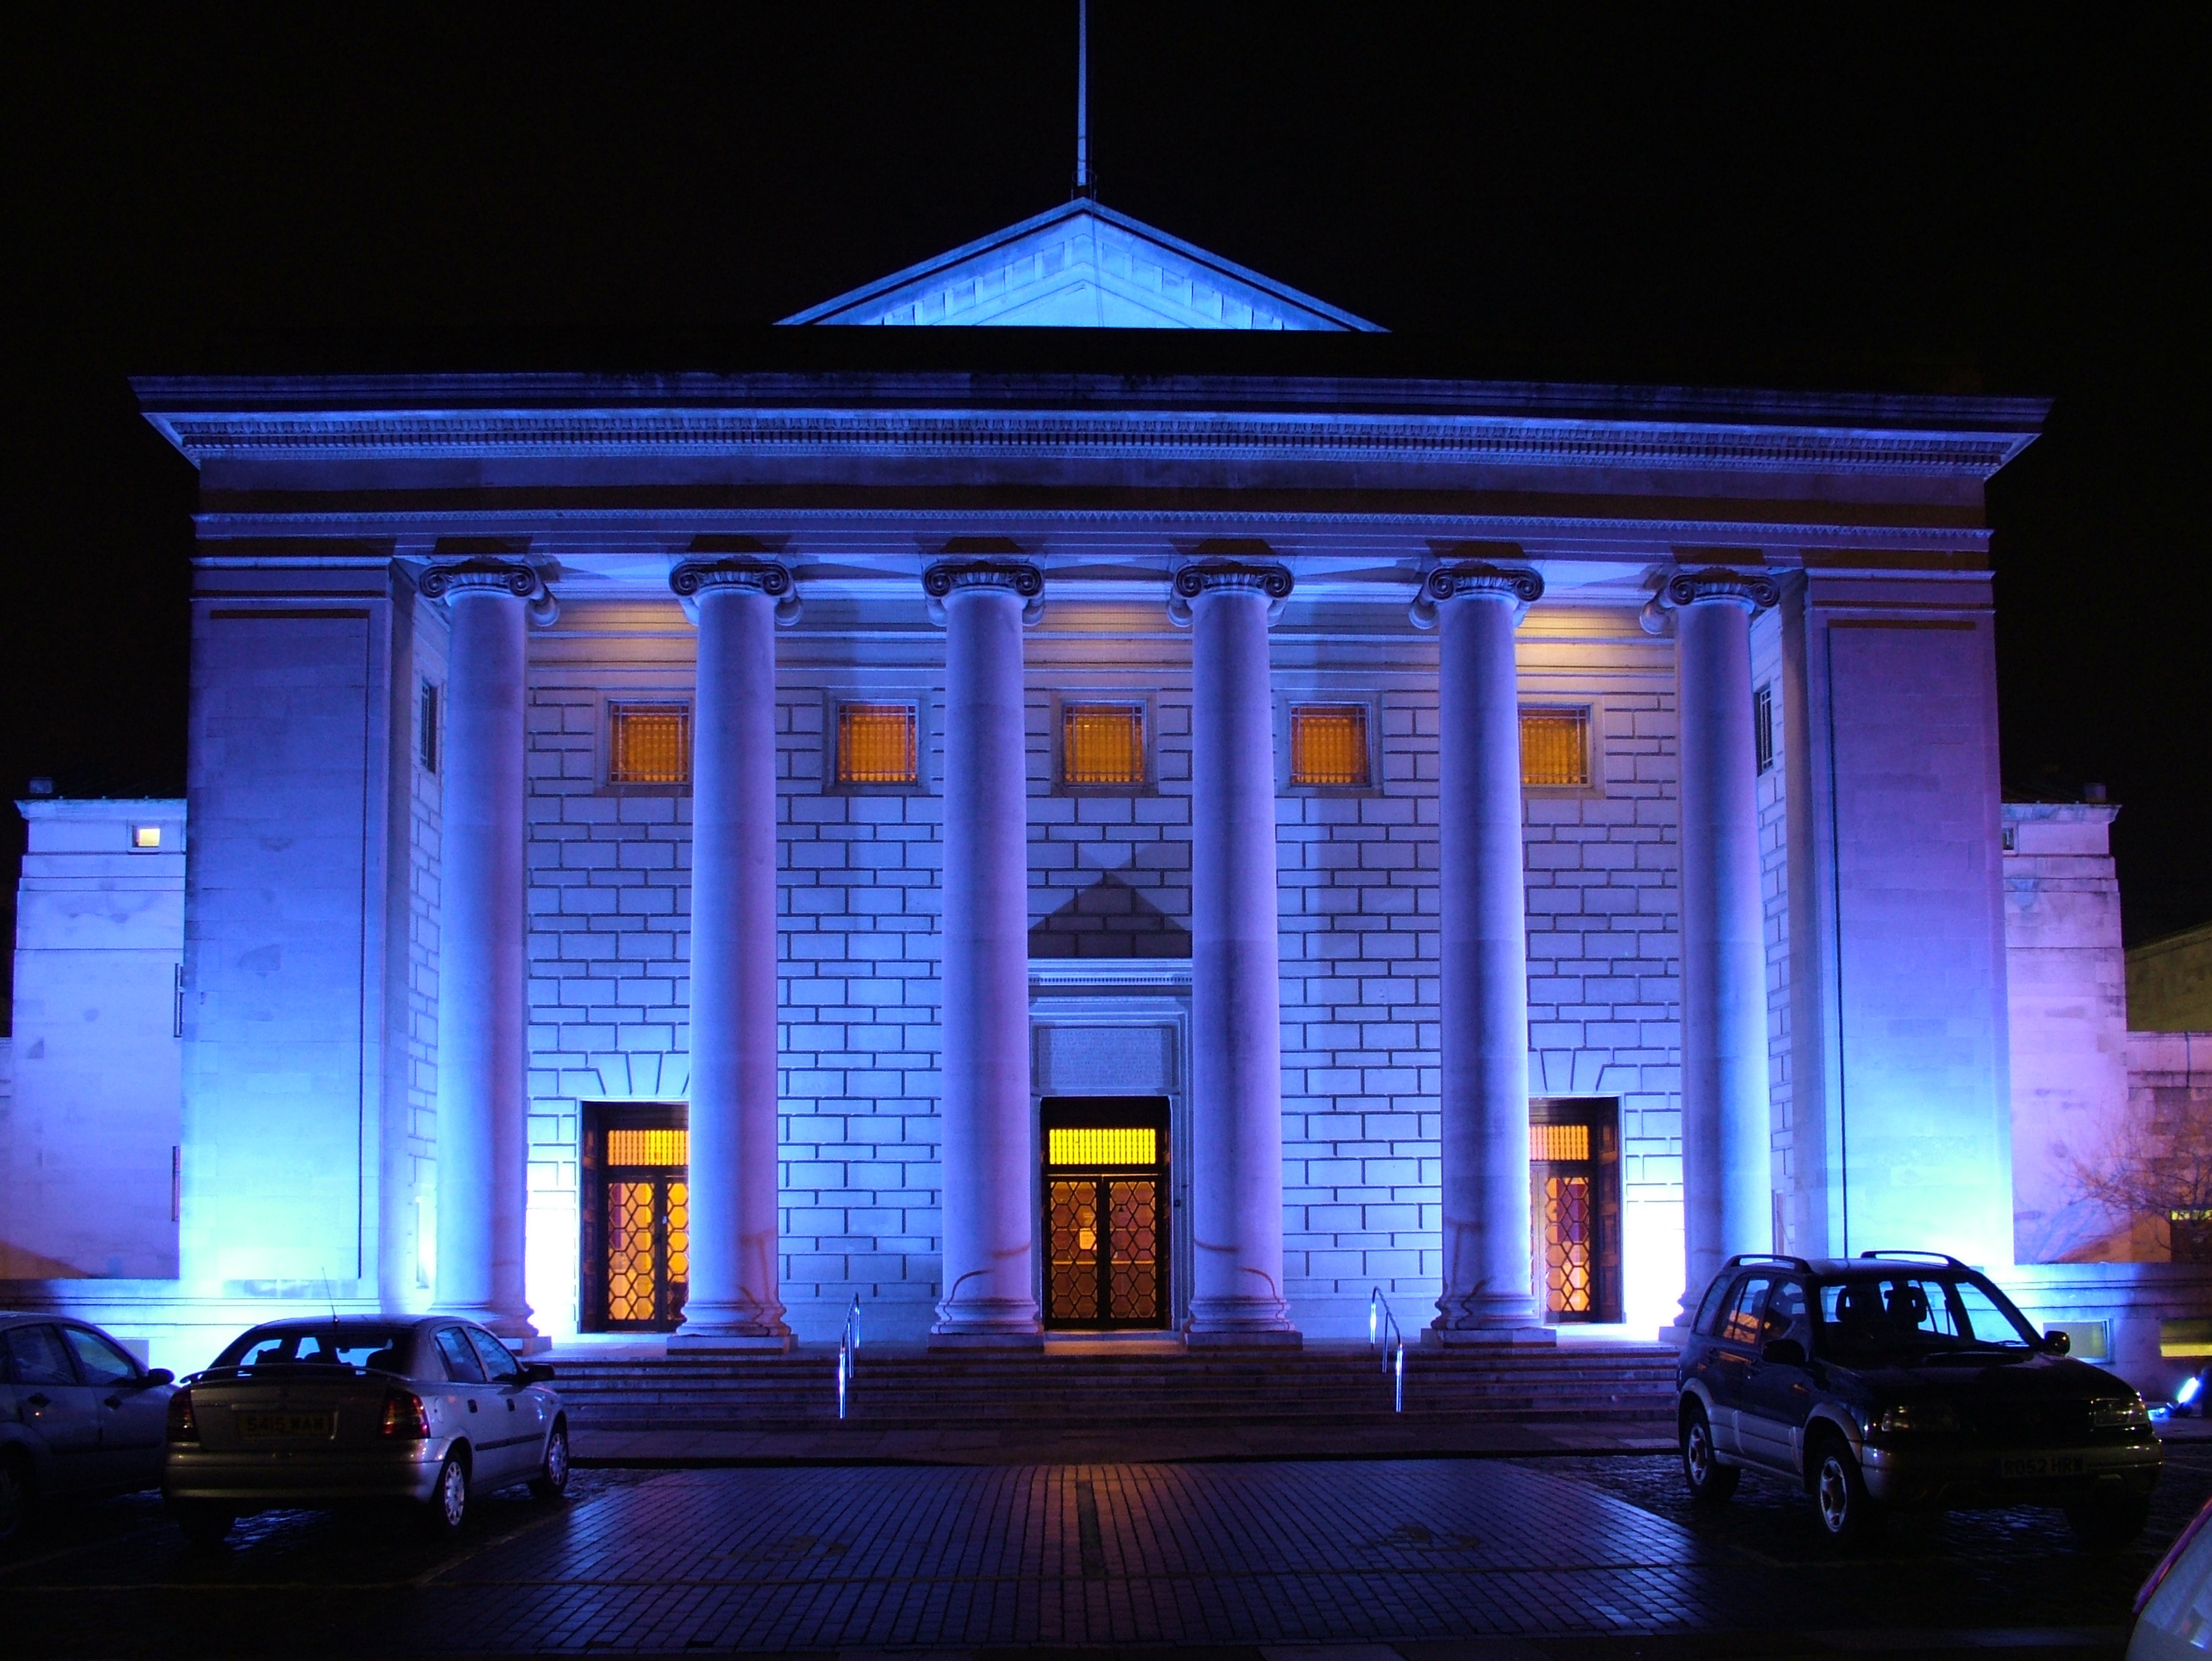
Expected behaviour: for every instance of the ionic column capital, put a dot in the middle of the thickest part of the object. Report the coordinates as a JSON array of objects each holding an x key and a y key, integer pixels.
[
  {"x": 488, "y": 573},
  {"x": 1228, "y": 574},
  {"x": 1020, "y": 577},
  {"x": 744, "y": 572},
  {"x": 1476, "y": 579}
]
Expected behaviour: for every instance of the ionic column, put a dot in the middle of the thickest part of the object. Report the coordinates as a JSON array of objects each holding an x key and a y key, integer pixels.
[
  {"x": 481, "y": 1088},
  {"x": 734, "y": 1300},
  {"x": 1726, "y": 1138},
  {"x": 990, "y": 1219},
  {"x": 1236, "y": 1073},
  {"x": 1484, "y": 1130}
]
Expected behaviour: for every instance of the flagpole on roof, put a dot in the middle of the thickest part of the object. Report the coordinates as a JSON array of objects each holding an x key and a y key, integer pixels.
[{"x": 1086, "y": 182}]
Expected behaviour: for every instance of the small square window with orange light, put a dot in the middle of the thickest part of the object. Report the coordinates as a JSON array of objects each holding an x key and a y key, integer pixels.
[
  {"x": 876, "y": 744},
  {"x": 649, "y": 744},
  {"x": 1328, "y": 744},
  {"x": 1101, "y": 743},
  {"x": 145, "y": 836},
  {"x": 1555, "y": 747}
]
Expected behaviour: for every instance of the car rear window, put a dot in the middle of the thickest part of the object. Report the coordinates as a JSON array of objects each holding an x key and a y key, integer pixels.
[
  {"x": 1889, "y": 1314},
  {"x": 382, "y": 1349}
]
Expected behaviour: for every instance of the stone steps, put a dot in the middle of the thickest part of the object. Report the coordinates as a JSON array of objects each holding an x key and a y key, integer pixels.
[{"x": 1159, "y": 1391}]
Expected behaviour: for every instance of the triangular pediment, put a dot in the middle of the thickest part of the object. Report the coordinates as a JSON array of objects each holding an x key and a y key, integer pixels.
[{"x": 1081, "y": 266}]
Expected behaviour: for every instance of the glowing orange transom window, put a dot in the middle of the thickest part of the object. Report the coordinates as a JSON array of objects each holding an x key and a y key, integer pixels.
[
  {"x": 875, "y": 744},
  {"x": 652, "y": 746},
  {"x": 1102, "y": 743},
  {"x": 1559, "y": 1142},
  {"x": 1555, "y": 747},
  {"x": 665, "y": 1146},
  {"x": 1102, "y": 1145},
  {"x": 1328, "y": 744}
]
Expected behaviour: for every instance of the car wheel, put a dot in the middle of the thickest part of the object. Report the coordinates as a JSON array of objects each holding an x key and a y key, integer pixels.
[
  {"x": 551, "y": 1481},
  {"x": 1710, "y": 1481},
  {"x": 1849, "y": 1516},
  {"x": 447, "y": 1506},
  {"x": 15, "y": 1499},
  {"x": 202, "y": 1525},
  {"x": 2108, "y": 1523}
]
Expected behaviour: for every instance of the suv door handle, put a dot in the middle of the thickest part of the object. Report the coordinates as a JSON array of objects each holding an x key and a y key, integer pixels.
[
  {"x": 37, "y": 1401},
  {"x": 113, "y": 1401}
]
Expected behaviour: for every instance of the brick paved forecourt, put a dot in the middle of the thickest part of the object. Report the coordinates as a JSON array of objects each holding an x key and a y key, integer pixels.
[{"x": 1574, "y": 1558}]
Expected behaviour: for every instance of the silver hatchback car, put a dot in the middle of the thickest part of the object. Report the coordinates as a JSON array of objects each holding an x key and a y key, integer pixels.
[{"x": 336, "y": 1412}]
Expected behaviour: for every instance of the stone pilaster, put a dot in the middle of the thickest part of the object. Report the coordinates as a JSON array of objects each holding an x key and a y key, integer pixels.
[
  {"x": 1237, "y": 1077},
  {"x": 483, "y": 1190},
  {"x": 990, "y": 1215},
  {"x": 734, "y": 1300},
  {"x": 1483, "y": 1138}
]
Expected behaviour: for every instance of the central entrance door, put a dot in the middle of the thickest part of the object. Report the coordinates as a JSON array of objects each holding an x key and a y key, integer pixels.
[
  {"x": 637, "y": 1217},
  {"x": 1574, "y": 1204},
  {"x": 1106, "y": 1230}
]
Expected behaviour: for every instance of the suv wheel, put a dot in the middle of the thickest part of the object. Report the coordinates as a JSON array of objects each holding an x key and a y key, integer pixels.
[
  {"x": 2108, "y": 1523},
  {"x": 1710, "y": 1481},
  {"x": 1849, "y": 1516}
]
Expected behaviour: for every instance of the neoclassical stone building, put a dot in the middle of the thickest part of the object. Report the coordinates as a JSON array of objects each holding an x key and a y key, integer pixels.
[{"x": 1078, "y": 828}]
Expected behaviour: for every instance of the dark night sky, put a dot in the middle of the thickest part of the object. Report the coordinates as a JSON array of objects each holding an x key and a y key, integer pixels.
[{"x": 2003, "y": 201}]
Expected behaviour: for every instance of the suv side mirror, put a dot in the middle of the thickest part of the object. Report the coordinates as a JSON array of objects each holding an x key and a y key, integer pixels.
[
  {"x": 157, "y": 1376},
  {"x": 537, "y": 1372},
  {"x": 1784, "y": 1352},
  {"x": 2061, "y": 1342}
]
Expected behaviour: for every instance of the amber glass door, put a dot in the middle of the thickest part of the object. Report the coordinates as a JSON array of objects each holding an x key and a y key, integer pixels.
[
  {"x": 1105, "y": 1216},
  {"x": 637, "y": 1234},
  {"x": 1574, "y": 1204}
]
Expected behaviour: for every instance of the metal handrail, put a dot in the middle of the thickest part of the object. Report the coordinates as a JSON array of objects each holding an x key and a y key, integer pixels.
[
  {"x": 849, "y": 1347},
  {"x": 1384, "y": 1335}
]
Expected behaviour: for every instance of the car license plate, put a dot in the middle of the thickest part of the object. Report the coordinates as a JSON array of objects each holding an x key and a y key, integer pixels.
[
  {"x": 261, "y": 1427},
  {"x": 2041, "y": 1465}
]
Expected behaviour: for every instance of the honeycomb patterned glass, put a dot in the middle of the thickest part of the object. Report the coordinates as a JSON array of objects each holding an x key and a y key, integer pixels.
[
  {"x": 1097, "y": 1145},
  {"x": 1568, "y": 1240},
  {"x": 1328, "y": 744},
  {"x": 652, "y": 745},
  {"x": 1101, "y": 743},
  {"x": 1569, "y": 1144},
  {"x": 679, "y": 1244},
  {"x": 1555, "y": 747},
  {"x": 1132, "y": 1282},
  {"x": 875, "y": 744},
  {"x": 630, "y": 1279},
  {"x": 1073, "y": 1295},
  {"x": 648, "y": 1148}
]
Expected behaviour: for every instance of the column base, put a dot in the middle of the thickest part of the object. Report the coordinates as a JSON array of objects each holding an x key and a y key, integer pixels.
[
  {"x": 1240, "y": 1323},
  {"x": 733, "y": 1342},
  {"x": 1530, "y": 1337},
  {"x": 987, "y": 1323}
]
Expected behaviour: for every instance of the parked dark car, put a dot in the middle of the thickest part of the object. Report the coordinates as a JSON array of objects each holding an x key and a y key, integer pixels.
[
  {"x": 425, "y": 1409},
  {"x": 78, "y": 1415},
  {"x": 1905, "y": 1379}
]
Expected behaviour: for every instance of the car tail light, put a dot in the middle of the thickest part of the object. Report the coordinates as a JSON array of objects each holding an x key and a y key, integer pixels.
[
  {"x": 183, "y": 1424},
  {"x": 405, "y": 1418}
]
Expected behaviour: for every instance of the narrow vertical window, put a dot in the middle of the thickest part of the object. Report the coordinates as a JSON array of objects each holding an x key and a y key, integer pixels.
[
  {"x": 1555, "y": 747},
  {"x": 876, "y": 744},
  {"x": 1762, "y": 725},
  {"x": 1101, "y": 743},
  {"x": 1328, "y": 744},
  {"x": 430, "y": 727},
  {"x": 650, "y": 744}
]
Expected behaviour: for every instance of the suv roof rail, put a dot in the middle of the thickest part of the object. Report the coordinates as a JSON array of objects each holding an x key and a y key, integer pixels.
[
  {"x": 1944, "y": 1257},
  {"x": 1798, "y": 1264}
]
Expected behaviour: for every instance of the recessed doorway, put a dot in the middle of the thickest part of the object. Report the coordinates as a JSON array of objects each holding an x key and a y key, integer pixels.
[
  {"x": 1574, "y": 1204},
  {"x": 637, "y": 1217},
  {"x": 1106, "y": 1213}
]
